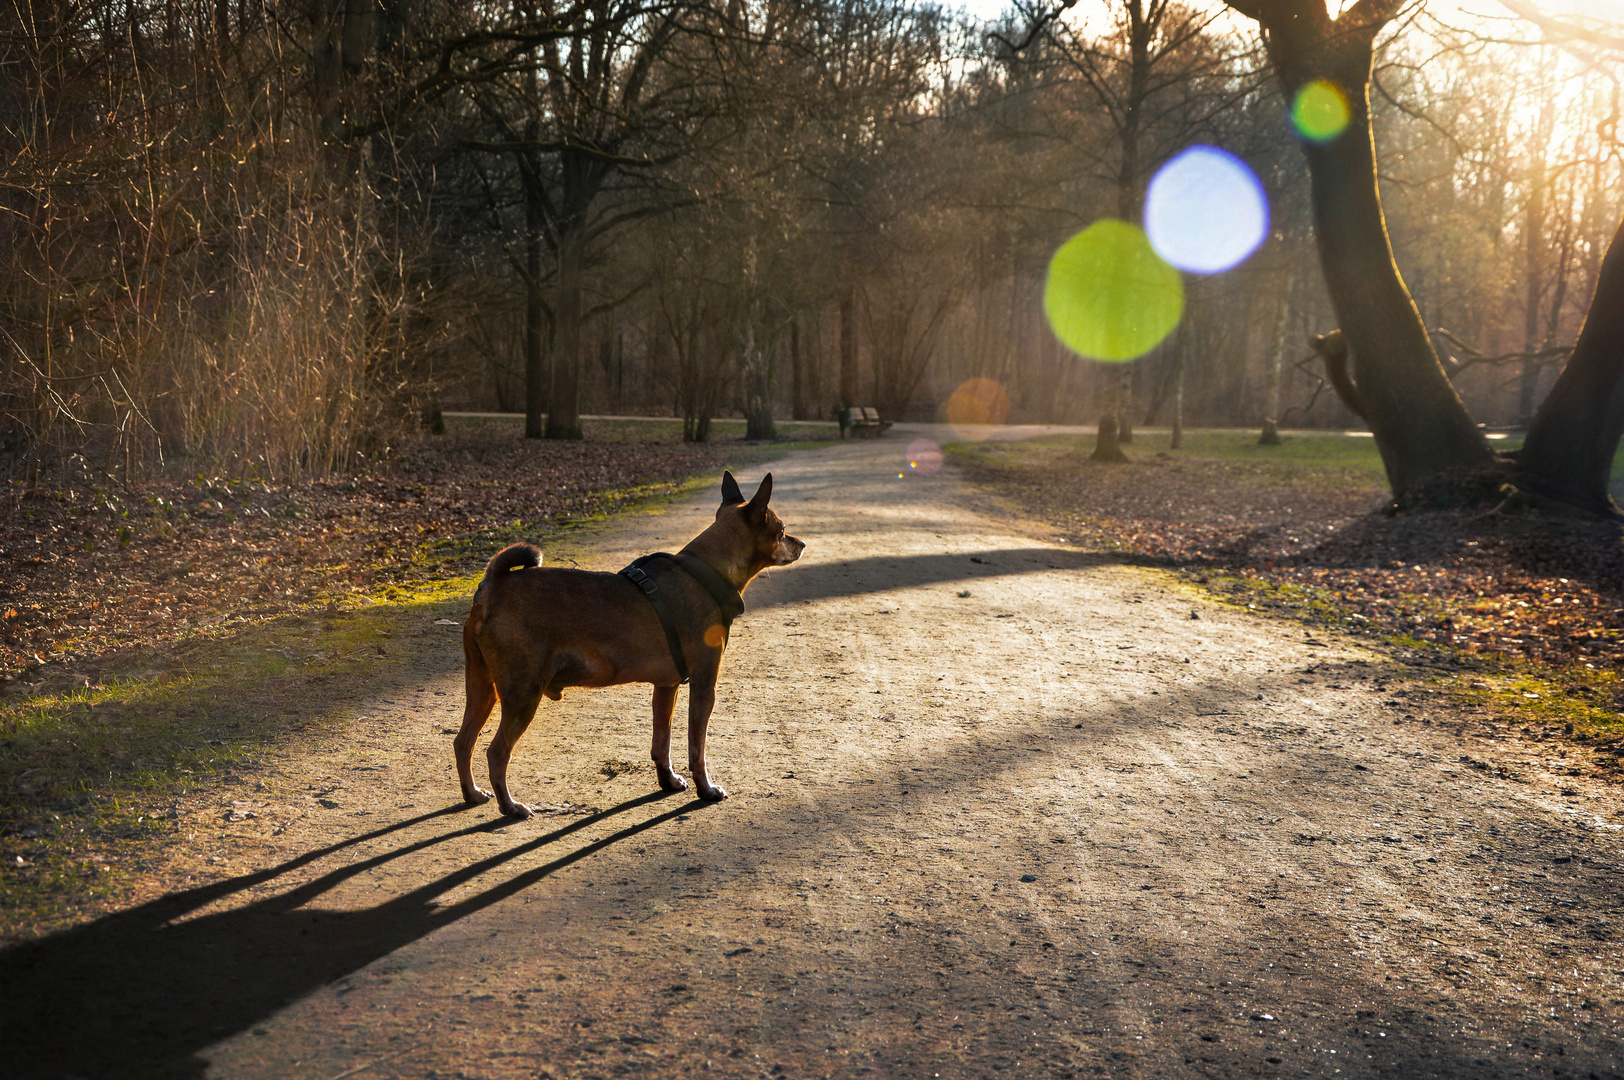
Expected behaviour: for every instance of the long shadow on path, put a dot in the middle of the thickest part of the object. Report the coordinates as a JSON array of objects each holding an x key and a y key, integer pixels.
[
  {"x": 137, "y": 994},
  {"x": 855, "y": 577}
]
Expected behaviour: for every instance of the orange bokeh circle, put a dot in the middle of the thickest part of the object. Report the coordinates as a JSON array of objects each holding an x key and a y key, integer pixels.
[{"x": 977, "y": 403}]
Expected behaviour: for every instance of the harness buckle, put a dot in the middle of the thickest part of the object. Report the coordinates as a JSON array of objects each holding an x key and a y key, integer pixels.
[{"x": 641, "y": 579}]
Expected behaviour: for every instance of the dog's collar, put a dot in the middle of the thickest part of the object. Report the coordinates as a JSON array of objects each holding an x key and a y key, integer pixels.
[{"x": 729, "y": 604}]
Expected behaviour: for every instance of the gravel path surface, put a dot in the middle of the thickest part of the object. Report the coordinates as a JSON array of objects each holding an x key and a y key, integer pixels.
[{"x": 999, "y": 808}]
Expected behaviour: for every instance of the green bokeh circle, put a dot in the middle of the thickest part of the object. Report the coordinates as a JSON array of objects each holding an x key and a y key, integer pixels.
[
  {"x": 1109, "y": 296},
  {"x": 1320, "y": 111}
]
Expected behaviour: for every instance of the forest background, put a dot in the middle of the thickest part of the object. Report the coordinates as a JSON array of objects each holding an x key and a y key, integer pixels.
[{"x": 268, "y": 239}]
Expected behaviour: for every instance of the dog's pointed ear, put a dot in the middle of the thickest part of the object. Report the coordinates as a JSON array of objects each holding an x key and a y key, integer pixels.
[
  {"x": 758, "y": 503},
  {"x": 731, "y": 495}
]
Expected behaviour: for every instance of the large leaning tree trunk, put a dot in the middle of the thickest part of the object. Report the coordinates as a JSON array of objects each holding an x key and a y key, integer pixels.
[
  {"x": 1568, "y": 455},
  {"x": 1395, "y": 379}
]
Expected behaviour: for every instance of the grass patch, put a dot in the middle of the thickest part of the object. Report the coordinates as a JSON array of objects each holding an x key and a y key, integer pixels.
[
  {"x": 1320, "y": 458},
  {"x": 1325, "y": 453}
]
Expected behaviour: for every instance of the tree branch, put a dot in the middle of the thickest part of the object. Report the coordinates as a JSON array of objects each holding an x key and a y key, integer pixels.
[
  {"x": 1476, "y": 356},
  {"x": 1333, "y": 348},
  {"x": 1043, "y": 20}
]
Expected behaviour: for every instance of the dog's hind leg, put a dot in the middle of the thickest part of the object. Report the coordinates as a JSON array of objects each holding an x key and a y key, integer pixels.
[
  {"x": 481, "y": 698},
  {"x": 665, "y": 703},
  {"x": 518, "y": 710}
]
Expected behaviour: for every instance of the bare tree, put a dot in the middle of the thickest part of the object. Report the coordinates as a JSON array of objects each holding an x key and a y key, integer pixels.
[
  {"x": 1160, "y": 78},
  {"x": 569, "y": 119}
]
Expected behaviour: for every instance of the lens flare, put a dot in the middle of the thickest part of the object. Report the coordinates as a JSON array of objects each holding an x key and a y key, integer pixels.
[
  {"x": 924, "y": 458},
  {"x": 1320, "y": 111},
  {"x": 1109, "y": 296},
  {"x": 975, "y": 406},
  {"x": 1205, "y": 211}
]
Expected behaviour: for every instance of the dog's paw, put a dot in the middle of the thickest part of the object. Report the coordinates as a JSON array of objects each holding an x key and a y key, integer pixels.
[
  {"x": 518, "y": 810},
  {"x": 673, "y": 781},
  {"x": 476, "y": 796},
  {"x": 714, "y": 793}
]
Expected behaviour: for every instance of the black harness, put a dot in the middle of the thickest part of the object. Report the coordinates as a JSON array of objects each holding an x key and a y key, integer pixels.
[{"x": 729, "y": 604}]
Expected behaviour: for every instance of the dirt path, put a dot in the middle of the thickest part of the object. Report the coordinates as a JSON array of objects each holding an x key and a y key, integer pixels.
[{"x": 1058, "y": 826}]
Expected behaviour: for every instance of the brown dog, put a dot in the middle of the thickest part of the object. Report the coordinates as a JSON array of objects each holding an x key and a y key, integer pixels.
[{"x": 532, "y": 632}]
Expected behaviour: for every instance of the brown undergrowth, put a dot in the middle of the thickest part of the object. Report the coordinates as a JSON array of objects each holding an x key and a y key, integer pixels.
[
  {"x": 1524, "y": 612},
  {"x": 88, "y": 573}
]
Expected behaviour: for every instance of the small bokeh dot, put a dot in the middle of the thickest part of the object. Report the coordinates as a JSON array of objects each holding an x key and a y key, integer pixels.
[
  {"x": 1320, "y": 111},
  {"x": 924, "y": 458}
]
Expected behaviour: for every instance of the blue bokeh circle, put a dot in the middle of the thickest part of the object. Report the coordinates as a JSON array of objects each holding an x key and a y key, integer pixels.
[{"x": 1205, "y": 210}]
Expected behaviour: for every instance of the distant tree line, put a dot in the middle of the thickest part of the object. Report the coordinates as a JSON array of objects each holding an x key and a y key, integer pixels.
[{"x": 269, "y": 235}]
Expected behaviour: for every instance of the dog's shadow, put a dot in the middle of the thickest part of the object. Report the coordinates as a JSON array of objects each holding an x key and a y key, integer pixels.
[{"x": 138, "y": 993}]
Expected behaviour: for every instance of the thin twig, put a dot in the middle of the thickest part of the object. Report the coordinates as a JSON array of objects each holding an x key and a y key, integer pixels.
[
  {"x": 1043, "y": 20},
  {"x": 379, "y": 1061},
  {"x": 1477, "y": 356}
]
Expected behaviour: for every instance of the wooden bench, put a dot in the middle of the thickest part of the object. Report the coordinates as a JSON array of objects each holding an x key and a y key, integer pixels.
[{"x": 861, "y": 421}]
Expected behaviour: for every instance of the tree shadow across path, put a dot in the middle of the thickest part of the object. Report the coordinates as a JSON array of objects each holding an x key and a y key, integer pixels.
[
  {"x": 858, "y": 577},
  {"x": 141, "y": 992}
]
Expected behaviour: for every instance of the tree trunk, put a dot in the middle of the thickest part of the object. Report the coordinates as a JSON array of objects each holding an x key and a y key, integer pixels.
[
  {"x": 1177, "y": 442},
  {"x": 564, "y": 397},
  {"x": 1422, "y": 429},
  {"x": 1270, "y": 435},
  {"x": 848, "y": 348},
  {"x": 535, "y": 371},
  {"x": 1534, "y": 259},
  {"x": 1125, "y": 403},
  {"x": 581, "y": 176},
  {"x": 1528, "y": 377},
  {"x": 1568, "y": 455},
  {"x": 797, "y": 376},
  {"x": 1130, "y": 199},
  {"x": 1106, "y": 446},
  {"x": 1113, "y": 413},
  {"x": 758, "y": 379},
  {"x": 620, "y": 369},
  {"x": 1420, "y": 424}
]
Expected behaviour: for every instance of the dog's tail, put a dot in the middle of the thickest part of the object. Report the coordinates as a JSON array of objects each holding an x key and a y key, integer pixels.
[{"x": 514, "y": 556}]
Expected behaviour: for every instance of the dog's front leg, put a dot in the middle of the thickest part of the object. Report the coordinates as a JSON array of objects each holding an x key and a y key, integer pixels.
[
  {"x": 701, "y": 700},
  {"x": 665, "y": 703}
]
